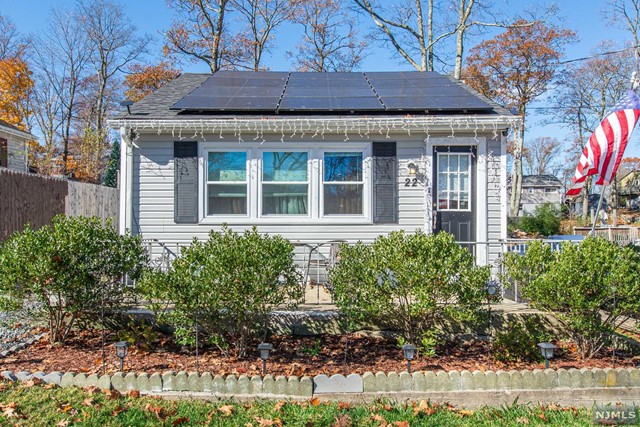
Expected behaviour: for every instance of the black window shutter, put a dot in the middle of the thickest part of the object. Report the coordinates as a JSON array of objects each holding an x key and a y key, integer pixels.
[
  {"x": 385, "y": 183},
  {"x": 185, "y": 182}
]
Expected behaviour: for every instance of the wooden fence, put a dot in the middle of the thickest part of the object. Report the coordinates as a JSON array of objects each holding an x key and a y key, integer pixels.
[{"x": 35, "y": 199}]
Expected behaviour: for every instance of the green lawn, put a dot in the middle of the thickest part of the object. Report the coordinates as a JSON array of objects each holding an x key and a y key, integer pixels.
[{"x": 38, "y": 405}]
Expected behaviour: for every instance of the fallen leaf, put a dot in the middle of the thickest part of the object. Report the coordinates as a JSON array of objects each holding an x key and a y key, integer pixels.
[
  {"x": 92, "y": 389},
  {"x": 133, "y": 393},
  {"x": 401, "y": 424},
  {"x": 157, "y": 410},
  {"x": 117, "y": 411},
  {"x": 380, "y": 419},
  {"x": 226, "y": 410},
  {"x": 543, "y": 417},
  {"x": 10, "y": 412},
  {"x": 63, "y": 423},
  {"x": 50, "y": 386},
  {"x": 343, "y": 420},
  {"x": 278, "y": 406},
  {"x": 263, "y": 422},
  {"x": 180, "y": 421},
  {"x": 111, "y": 394},
  {"x": 522, "y": 420},
  {"x": 65, "y": 407},
  {"x": 423, "y": 408},
  {"x": 315, "y": 401},
  {"x": 88, "y": 402},
  {"x": 465, "y": 413},
  {"x": 344, "y": 405}
]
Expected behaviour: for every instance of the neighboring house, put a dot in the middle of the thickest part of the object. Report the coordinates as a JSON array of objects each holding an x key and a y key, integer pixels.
[
  {"x": 13, "y": 147},
  {"x": 629, "y": 189},
  {"x": 315, "y": 157},
  {"x": 538, "y": 190}
]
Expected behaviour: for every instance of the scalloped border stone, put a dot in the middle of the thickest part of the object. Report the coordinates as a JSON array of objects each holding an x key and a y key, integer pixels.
[{"x": 547, "y": 384}]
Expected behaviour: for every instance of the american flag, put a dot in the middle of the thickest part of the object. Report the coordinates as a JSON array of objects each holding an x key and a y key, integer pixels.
[{"x": 605, "y": 149}]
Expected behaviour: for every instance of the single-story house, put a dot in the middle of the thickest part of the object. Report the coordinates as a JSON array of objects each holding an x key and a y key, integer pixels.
[
  {"x": 13, "y": 147},
  {"x": 315, "y": 157},
  {"x": 538, "y": 190}
]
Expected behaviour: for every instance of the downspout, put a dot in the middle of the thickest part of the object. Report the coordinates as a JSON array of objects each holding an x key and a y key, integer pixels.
[{"x": 126, "y": 180}]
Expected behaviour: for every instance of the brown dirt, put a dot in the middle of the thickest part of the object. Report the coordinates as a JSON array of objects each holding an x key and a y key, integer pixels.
[{"x": 291, "y": 356}]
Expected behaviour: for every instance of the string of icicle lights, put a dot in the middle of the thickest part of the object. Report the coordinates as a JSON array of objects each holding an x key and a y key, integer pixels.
[{"x": 254, "y": 130}]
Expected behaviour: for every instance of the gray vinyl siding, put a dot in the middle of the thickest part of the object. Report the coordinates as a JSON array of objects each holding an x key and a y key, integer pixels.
[
  {"x": 17, "y": 155},
  {"x": 153, "y": 203},
  {"x": 153, "y": 200},
  {"x": 495, "y": 220}
]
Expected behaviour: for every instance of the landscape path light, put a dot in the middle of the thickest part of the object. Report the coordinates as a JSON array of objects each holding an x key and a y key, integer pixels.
[
  {"x": 491, "y": 288},
  {"x": 546, "y": 349},
  {"x": 264, "y": 349},
  {"x": 409, "y": 351},
  {"x": 122, "y": 348}
]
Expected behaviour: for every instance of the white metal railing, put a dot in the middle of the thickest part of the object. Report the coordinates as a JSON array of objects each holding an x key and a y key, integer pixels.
[{"x": 315, "y": 259}]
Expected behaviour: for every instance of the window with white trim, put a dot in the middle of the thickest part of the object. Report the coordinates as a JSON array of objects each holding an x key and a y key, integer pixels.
[
  {"x": 269, "y": 183},
  {"x": 285, "y": 183},
  {"x": 343, "y": 183},
  {"x": 227, "y": 183}
]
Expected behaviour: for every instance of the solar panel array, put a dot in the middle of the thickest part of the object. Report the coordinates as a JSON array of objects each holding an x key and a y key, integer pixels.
[{"x": 275, "y": 92}]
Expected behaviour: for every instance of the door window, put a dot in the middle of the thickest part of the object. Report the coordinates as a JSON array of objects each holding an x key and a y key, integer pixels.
[{"x": 454, "y": 188}]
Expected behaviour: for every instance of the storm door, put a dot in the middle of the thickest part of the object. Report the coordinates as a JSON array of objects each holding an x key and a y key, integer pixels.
[{"x": 454, "y": 198}]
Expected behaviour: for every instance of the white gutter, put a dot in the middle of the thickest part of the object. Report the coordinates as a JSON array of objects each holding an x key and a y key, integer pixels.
[
  {"x": 312, "y": 126},
  {"x": 17, "y": 133},
  {"x": 126, "y": 181}
]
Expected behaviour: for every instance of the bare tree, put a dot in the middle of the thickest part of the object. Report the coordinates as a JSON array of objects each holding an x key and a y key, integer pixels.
[
  {"x": 11, "y": 43},
  {"x": 114, "y": 45},
  {"x": 197, "y": 31},
  {"x": 61, "y": 59},
  {"x": 330, "y": 40},
  {"x": 407, "y": 29},
  {"x": 262, "y": 17},
  {"x": 410, "y": 31},
  {"x": 626, "y": 14},
  {"x": 542, "y": 156}
]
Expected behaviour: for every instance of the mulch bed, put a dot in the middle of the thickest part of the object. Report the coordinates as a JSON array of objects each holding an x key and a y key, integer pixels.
[{"x": 291, "y": 356}]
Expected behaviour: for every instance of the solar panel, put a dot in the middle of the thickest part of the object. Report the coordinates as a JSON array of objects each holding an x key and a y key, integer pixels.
[
  {"x": 269, "y": 92},
  {"x": 232, "y": 90},
  {"x": 330, "y": 92},
  {"x": 423, "y": 91}
]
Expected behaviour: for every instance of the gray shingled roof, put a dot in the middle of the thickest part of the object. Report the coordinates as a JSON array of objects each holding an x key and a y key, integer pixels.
[
  {"x": 540, "y": 181},
  {"x": 157, "y": 104}
]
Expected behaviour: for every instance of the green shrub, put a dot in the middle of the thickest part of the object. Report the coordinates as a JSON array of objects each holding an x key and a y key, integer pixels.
[
  {"x": 71, "y": 268},
  {"x": 231, "y": 281},
  {"x": 517, "y": 340},
  {"x": 411, "y": 282},
  {"x": 545, "y": 220},
  {"x": 577, "y": 286}
]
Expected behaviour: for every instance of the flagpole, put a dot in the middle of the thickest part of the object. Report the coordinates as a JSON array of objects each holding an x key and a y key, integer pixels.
[{"x": 595, "y": 217}]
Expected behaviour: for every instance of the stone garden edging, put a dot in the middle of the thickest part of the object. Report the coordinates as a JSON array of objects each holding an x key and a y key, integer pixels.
[
  {"x": 21, "y": 346},
  {"x": 615, "y": 384}
]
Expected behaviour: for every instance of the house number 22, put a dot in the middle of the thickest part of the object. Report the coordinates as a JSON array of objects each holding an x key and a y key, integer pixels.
[{"x": 409, "y": 182}]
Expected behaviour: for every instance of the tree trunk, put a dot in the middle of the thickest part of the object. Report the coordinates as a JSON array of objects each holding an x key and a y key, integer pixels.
[
  {"x": 516, "y": 173},
  {"x": 430, "y": 36}
]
